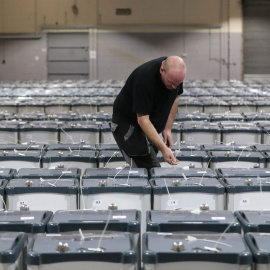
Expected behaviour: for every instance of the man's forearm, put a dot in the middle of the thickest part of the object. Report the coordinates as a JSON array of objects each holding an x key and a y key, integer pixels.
[{"x": 151, "y": 132}]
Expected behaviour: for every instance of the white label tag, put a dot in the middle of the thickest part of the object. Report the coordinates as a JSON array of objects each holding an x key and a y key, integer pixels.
[
  {"x": 218, "y": 218},
  {"x": 27, "y": 218},
  {"x": 133, "y": 172},
  {"x": 119, "y": 217},
  {"x": 86, "y": 146},
  {"x": 202, "y": 171},
  {"x": 97, "y": 203},
  {"x": 242, "y": 147},
  {"x": 1, "y": 172},
  {"x": 172, "y": 203},
  {"x": 67, "y": 172},
  {"x": 244, "y": 201}
]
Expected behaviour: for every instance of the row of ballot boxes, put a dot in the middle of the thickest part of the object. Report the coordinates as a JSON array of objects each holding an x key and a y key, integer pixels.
[
  {"x": 55, "y": 131},
  {"x": 83, "y": 105},
  {"x": 126, "y": 188},
  {"x": 115, "y": 240},
  {"x": 85, "y": 156},
  {"x": 95, "y": 128}
]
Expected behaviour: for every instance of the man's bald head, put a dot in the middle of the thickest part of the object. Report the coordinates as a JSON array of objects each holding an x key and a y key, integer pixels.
[
  {"x": 173, "y": 71},
  {"x": 174, "y": 62}
]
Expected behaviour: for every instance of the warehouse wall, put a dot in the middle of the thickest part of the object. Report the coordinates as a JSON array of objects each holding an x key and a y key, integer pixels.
[{"x": 208, "y": 34}]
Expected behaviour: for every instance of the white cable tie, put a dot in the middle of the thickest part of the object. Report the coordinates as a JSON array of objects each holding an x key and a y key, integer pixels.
[
  {"x": 196, "y": 211},
  {"x": 53, "y": 185},
  {"x": 184, "y": 177},
  {"x": 96, "y": 249},
  {"x": 191, "y": 238},
  {"x": 211, "y": 249},
  {"x": 82, "y": 236}
]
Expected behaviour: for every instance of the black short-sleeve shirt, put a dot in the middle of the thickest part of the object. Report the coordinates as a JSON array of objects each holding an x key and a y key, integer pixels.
[{"x": 145, "y": 93}]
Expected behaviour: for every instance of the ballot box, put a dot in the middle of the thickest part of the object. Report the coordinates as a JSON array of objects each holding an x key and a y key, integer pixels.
[
  {"x": 176, "y": 193},
  {"x": 120, "y": 193},
  {"x": 195, "y": 251},
  {"x": 45, "y": 173},
  {"x": 71, "y": 147},
  {"x": 232, "y": 147},
  {"x": 107, "y": 146},
  {"x": 20, "y": 159},
  {"x": 40, "y": 132},
  {"x": 240, "y": 132},
  {"x": 200, "y": 132},
  {"x": 254, "y": 221},
  {"x": 80, "y": 131},
  {"x": 242, "y": 172},
  {"x": 9, "y": 132},
  {"x": 201, "y": 221},
  {"x": 12, "y": 250},
  {"x": 106, "y": 135},
  {"x": 110, "y": 159},
  {"x": 259, "y": 246},
  {"x": 247, "y": 193},
  {"x": 236, "y": 159},
  {"x": 90, "y": 221},
  {"x": 81, "y": 251},
  {"x": 42, "y": 194},
  {"x": 113, "y": 173},
  {"x": 174, "y": 172},
  {"x": 81, "y": 159}
]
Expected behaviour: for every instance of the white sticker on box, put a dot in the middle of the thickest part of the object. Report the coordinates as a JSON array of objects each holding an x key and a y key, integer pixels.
[
  {"x": 27, "y": 218},
  {"x": 244, "y": 201},
  {"x": 242, "y": 147},
  {"x": 172, "y": 202},
  {"x": 97, "y": 203},
  {"x": 119, "y": 217},
  {"x": 86, "y": 146},
  {"x": 218, "y": 218},
  {"x": 67, "y": 172},
  {"x": 202, "y": 171},
  {"x": 133, "y": 172},
  {"x": 1, "y": 171}
]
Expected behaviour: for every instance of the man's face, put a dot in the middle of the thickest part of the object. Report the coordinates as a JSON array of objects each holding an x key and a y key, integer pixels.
[{"x": 171, "y": 78}]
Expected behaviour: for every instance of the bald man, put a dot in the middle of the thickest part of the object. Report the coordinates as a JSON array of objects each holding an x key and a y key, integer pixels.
[{"x": 145, "y": 107}]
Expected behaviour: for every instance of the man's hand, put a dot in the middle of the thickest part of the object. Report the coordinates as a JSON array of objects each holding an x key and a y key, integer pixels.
[
  {"x": 167, "y": 137},
  {"x": 169, "y": 156}
]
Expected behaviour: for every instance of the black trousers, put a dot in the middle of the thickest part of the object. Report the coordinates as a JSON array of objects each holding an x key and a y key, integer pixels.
[{"x": 137, "y": 150}]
